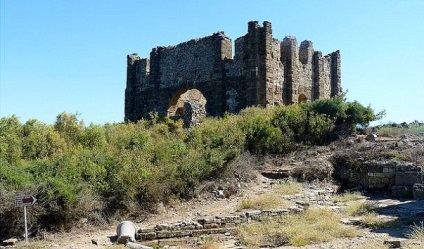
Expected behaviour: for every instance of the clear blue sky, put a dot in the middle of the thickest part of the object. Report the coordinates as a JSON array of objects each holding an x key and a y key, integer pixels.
[{"x": 71, "y": 55}]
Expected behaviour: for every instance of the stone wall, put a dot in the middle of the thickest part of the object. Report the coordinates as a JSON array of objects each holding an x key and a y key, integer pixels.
[
  {"x": 387, "y": 174},
  {"x": 264, "y": 71},
  {"x": 210, "y": 225},
  {"x": 395, "y": 176}
]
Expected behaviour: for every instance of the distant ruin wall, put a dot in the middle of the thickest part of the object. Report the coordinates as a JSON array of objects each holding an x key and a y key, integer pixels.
[{"x": 264, "y": 71}]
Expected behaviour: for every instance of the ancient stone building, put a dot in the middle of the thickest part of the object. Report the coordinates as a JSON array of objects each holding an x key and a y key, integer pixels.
[{"x": 202, "y": 76}]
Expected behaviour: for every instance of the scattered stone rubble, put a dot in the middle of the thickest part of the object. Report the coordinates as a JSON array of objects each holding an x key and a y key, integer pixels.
[{"x": 321, "y": 196}]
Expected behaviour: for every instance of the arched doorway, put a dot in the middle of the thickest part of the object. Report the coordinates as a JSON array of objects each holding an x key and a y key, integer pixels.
[
  {"x": 189, "y": 104},
  {"x": 302, "y": 98}
]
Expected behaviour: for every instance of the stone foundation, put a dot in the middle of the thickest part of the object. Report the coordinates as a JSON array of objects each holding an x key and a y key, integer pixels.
[{"x": 210, "y": 225}]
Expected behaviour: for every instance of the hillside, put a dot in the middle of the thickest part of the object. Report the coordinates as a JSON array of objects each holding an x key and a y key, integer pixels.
[{"x": 155, "y": 172}]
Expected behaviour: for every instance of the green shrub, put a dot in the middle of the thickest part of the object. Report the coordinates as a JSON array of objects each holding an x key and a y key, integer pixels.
[
  {"x": 94, "y": 136},
  {"x": 334, "y": 108},
  {"x": 132, "y": 166},
  {"x": 262, "y": 136},
  {"x": 64, "y": 204},
  {"x": 69, "y": 127},
  {"x": 10, "y": 140}
]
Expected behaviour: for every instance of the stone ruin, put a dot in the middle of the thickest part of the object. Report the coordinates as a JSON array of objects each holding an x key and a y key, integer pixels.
[
  {"x": 372, "y": 165},
  {"x": 263, "y": 72}
]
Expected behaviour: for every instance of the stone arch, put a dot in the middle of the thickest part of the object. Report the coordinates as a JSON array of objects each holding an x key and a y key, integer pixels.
[
  {"x": 189, "y": 104},
  {"x": 302, "y": 98}
]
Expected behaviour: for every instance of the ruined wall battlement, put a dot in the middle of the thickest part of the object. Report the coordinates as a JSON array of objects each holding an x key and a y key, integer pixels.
[{"x": 264, "y": 71}]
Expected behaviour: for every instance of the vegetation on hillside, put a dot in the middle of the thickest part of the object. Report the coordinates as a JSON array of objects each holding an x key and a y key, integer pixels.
[{"x": 97, "y": 172}]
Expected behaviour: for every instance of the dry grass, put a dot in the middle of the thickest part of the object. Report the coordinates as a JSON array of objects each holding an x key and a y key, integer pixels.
[
  {"x": 417, "y": 231},
  {"x": 272, "y": 199},
  {"x": 360, "y": 208},
  {"x": 348, "y": 196},
  {"x": 415, "y": 155},
  {"x": 289, "y": 187},
  {"x": 33, "y": 245},
  {"x": 372, "y": 244},
  {"x": 210, "y": 243},
  {"x": 263, "y": 202},
  {"x": 310, "y": 227},
  {"x": 257, "y": 234},
  {"x": 417, "y": 244},
  {"x": 387, "y": 131},
  {"x": 374, "y": 221}
]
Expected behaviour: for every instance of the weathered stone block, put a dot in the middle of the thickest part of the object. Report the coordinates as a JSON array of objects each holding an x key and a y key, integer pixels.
[
  {"x": 379, "y": 175},
  {"x": 132, "y": 245},
  {"x": 407, "y": 178},
  {"x": 374, "y": 180},
  {"x": 146, "y": 236},
  {"x": 394, "y": 243},
  {"x": 230, "y": 225},
  {"x": 126, "y": 232},
  {"x": 146, "y": 230},
  {"x": 172, "y": 234},
  {"x": 418, "y": 191},
  {"x": 211, "y": 225},
  {"x": 253, "y": 213},
  {"x": 401, "y": 191},
  {"x": 204, "y": 221},
  {"x": 371, "y": 137}
]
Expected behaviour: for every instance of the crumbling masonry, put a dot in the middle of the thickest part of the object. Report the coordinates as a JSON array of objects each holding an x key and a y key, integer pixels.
[{"x": 201, "y": 76}]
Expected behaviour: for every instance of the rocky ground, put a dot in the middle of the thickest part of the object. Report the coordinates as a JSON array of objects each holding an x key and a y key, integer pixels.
[{"x": 216, "y": 201}]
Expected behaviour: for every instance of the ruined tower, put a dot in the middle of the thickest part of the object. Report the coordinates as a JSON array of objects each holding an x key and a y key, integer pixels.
[{"x": 202, "y": 76}]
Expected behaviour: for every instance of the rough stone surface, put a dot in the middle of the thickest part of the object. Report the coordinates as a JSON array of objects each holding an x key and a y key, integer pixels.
[
  {"x": 407, "y": 178},
  {"x": 371, "y": 137},
  {"x": 380, "y": 174},
  {"x": 418, "y": 191},
  {"x": 137, "y": 246},
  {"x": 401, "y": 192},
  {"x": 212, "y": 225},
  {"x": 193, "y": 113},
  {"x": 264, "y": 71},
  {"x": 125, "y": 232},
  {"x": 394, "y": 243}
]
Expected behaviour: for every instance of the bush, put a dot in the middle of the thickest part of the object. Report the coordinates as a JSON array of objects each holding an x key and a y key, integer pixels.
[
  {"x": 10, "y": 140},
  {"x": 262, "y": 136},
  {"x": 126, "y": 168},
  {"x": 11, "y": 218},
  {"x": 64, "y": 204}
]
